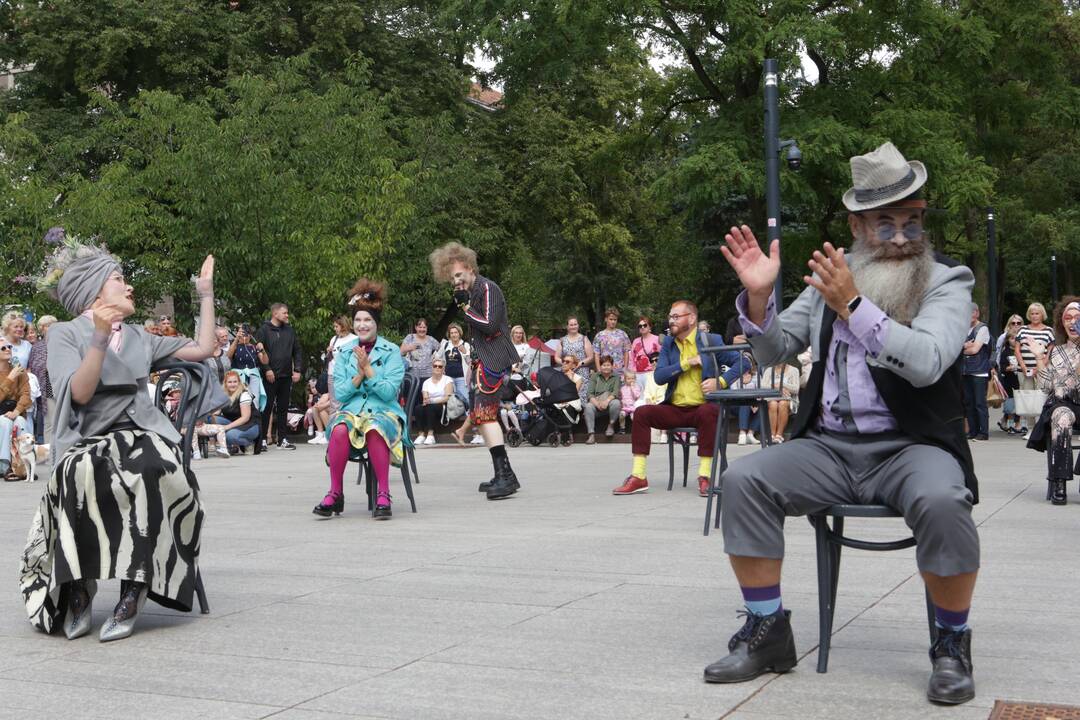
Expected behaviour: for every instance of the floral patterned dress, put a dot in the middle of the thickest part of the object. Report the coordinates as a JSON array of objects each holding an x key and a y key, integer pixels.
[
  {"x": 615, "y": 343},
  {"x": 577, "y": 349}
]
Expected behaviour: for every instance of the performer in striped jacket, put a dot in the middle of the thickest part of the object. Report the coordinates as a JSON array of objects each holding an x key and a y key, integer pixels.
[{"x": 484, "y": 306}]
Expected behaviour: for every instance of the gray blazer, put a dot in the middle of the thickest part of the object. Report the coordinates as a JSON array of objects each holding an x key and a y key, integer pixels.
[
  {"x": 121, "y": 392},
  {"x": 919, "y": 354}
]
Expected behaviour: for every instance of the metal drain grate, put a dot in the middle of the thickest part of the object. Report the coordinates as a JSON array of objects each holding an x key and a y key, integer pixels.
[{"x": 1033, "y": 711}]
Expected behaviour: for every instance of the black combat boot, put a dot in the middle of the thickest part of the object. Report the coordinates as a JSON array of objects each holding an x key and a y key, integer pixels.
[{"x": 764, "y": 644}]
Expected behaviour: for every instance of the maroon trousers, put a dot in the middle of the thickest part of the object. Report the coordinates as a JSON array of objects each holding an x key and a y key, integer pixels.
[{"x": 665, "y": 417}]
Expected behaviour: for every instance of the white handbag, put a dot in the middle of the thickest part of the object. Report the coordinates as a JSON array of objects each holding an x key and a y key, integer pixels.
[{"x": 1028, "y": 402}]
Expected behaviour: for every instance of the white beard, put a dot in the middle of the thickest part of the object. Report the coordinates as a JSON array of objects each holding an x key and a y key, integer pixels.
[{"x": 895, "y": 285}]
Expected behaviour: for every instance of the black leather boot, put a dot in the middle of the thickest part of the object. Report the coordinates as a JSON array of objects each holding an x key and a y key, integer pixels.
[
  {"x": 505, "y": 483},
  {"x": 764, "y": 644},
  {"x": 1057, "y": 492},
  {"x": 951, "y": 682},
  {"x": 485, "y": 486}
]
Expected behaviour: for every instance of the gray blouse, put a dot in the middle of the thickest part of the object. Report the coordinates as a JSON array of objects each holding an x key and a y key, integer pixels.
[{"x": 121, "y": 393}]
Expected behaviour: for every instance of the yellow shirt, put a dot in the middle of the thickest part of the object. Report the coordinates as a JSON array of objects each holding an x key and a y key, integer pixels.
[{"x": 688, "y": 385}]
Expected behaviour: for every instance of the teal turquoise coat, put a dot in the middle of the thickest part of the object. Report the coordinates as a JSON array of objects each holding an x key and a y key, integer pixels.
[{"x": 375, "y": 395}]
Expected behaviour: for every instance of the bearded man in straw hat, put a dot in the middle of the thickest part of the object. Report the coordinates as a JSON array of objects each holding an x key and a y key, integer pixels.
[{"x": 879, "y": 421}]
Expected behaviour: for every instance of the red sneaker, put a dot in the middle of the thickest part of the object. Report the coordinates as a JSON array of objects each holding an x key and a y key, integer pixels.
[
  {"x": 632, "y": 485},
  {"x": 703, "y": 486}
]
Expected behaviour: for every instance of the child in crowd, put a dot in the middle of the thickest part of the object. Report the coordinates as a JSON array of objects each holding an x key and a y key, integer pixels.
[{"x": 630, "y": 392}]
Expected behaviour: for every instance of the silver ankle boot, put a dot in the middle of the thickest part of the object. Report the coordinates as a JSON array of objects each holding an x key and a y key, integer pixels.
[
  {"x": 122, "y": 622},
  {"x": 79, "y": 609}
]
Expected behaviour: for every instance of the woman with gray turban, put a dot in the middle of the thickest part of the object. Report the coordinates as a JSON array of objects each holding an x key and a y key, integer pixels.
[{"x": 119, "y": 503}]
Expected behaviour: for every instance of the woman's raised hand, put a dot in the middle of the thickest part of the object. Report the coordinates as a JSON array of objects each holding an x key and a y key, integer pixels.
[{"x": 204, "y": 284}]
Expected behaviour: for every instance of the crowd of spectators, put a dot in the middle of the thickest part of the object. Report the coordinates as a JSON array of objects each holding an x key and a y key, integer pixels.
[{"x": 612, "y": 373}]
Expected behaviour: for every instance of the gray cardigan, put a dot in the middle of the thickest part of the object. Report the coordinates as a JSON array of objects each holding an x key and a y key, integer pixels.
[{"x": 122, "y": 391}]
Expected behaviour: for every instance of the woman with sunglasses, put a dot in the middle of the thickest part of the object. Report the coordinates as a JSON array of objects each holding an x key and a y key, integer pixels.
[
  {"x": 1007, "y": 371},
  {"x": 119, "y": 504},
  {"x": 14, "y": 402},
  {"x": 644, "y": 351},
  {"x": 436, "y": 392}
]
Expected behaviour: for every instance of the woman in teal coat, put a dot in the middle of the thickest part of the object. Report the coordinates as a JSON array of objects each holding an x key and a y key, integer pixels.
[{"x": 367, "y": 381}]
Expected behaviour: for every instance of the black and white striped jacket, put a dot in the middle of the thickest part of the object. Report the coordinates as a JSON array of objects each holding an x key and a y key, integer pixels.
[{"x": 487, "y": 319}]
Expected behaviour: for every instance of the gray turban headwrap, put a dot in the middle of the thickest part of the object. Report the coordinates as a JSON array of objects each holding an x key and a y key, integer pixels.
[{"x": 83, "y": 279}]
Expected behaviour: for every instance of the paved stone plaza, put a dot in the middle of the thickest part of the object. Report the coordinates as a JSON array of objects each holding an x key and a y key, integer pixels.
[{"x": 562, "y": 602}]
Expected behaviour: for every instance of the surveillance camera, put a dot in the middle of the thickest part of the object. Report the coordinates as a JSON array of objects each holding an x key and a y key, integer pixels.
[{"x": 794, "y": 157}]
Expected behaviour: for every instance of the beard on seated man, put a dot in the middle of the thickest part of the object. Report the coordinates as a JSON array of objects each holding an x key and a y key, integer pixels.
[{"x": 893, "y": 273}]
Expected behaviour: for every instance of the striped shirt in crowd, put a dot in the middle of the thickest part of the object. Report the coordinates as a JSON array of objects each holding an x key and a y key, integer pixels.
[{"x": 1045, "y": 336}]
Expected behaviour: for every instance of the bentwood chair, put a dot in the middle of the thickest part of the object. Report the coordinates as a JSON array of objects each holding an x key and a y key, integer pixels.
[
  {"x": 410, "y": 391},
  {"x": 194, "y": 382},
  {"x": 830, "y": 540}
]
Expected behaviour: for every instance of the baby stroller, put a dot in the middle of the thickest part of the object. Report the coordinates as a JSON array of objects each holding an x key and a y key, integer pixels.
[{"x": 552, "y": 409}]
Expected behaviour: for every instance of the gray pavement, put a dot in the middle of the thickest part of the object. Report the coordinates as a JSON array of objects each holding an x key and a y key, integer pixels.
[{"x": 562, "y": 602}]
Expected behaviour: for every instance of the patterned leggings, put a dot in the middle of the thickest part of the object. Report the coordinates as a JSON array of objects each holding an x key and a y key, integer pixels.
[{"x": 1062, "y": 421}]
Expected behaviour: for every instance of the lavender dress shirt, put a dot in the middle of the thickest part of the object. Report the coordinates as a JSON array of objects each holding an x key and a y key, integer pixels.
[{"x": 850, "y": 401}]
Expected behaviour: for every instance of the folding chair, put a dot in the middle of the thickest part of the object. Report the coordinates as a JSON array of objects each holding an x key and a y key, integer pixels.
[{"x": 194, "y": 388}]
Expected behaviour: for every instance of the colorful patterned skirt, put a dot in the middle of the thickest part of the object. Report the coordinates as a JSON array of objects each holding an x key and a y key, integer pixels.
[
  {"x": 487, "y": 394},
  {"x": 386, "y": 424},
  {"x": 117, "y": 505}
]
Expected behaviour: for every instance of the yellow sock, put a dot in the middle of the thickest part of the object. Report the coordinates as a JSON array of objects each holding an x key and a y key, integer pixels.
[
  {"x": 640, "y": 464},
  {"x": 704, "y": 466}
]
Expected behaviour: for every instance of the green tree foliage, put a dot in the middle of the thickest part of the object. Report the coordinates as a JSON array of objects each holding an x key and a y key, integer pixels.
[{"x": 307, "y": 142}]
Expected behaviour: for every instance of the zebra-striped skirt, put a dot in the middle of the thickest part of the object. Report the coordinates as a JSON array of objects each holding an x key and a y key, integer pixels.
[{"x": 117, "y": 506}]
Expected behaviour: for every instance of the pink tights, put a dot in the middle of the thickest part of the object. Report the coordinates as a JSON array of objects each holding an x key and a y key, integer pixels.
[{"x": 338, "y": 454}]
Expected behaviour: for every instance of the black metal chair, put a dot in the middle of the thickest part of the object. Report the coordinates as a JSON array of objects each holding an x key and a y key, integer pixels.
[
  {"x": 410, "y": 391},
  {"x": 726, "y": 398},
  {"x": 830, "y": 541},
  {"x": 194, "y": 388},
  {"x": 678, "y": 436}
]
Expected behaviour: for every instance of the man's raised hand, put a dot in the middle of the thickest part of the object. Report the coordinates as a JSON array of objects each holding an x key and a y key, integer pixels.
[{"x": 756, "y": 270}]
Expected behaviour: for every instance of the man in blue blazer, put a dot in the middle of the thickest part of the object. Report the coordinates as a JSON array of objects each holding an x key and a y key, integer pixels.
[{"x": 689, "y": 375}]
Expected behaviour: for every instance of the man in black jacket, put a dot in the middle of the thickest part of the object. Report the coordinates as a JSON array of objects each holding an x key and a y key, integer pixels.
[
  {"x": 484, "y": 306},
  {"x": 282, "y": 347}
]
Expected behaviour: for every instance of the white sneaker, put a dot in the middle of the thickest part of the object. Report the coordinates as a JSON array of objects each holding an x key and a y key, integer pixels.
[
  {"x": 1026, "y": 436},
  {"x": 311, "y": 431},
  {"x": 477, "y": 440},
  {"x": 195, "y": 455},
  {"x": 317, "y": 439},
  {"x": 221, "y": 451},
  {"x": 742, "y": 437},
  {"x": 750, "y": 439},
  {"x": 430, "y": 440}
]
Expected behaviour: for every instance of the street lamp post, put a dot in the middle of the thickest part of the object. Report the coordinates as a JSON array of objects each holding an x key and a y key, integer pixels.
[
  {"x": 1053, "y": 278},
  {"x": 772, "y": 170},
  {"x": 773, "y": 146},
  {"x": 991, "y": 271}
]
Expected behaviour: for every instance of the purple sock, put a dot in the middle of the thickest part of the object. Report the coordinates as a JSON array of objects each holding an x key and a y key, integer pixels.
[
  {"x": 762, "y": 600},
  {"x": 955, "y": 620}
]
